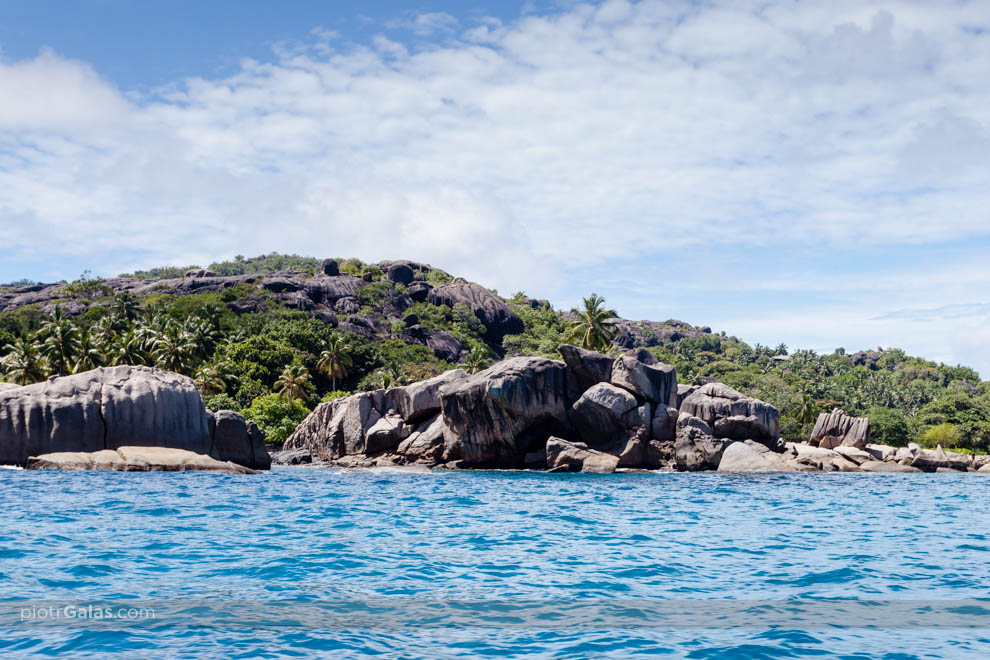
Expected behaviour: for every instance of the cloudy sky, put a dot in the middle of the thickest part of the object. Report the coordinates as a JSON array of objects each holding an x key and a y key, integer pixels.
[{"x": 816, "y": 173}]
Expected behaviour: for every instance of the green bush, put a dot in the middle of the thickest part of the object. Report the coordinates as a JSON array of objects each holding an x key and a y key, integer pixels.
[
  {"x": 946, "y": 435},
  {"x": 222, "y": 401},
  {"x": 339, "y": 394},
  {"x": 276, "y": 417},
  {"x": 888, "y": 427}
]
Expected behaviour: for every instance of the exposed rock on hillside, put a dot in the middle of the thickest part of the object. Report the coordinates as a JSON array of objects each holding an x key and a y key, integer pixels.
[{"x": 489, "y": 308}]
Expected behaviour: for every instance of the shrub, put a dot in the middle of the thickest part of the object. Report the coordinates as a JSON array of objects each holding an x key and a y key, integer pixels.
[
  {"x": 339, "y": 394},
  {"x": 276, "y": 417},
  {"x": 222, "y": 401},
  {"x": 945, "y": 434},
  {"x": 888, "y": 426}
]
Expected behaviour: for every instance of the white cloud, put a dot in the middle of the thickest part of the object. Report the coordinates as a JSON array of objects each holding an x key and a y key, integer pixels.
[{"x": 597, "y": 138}]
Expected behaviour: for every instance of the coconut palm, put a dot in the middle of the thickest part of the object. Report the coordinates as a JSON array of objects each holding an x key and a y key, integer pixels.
[
  {"x": 293, "y": 383},
  {"x": 125, "y": 306},
  {"x": 209, "y": 380},
  {"x": 204, "y": 335},
  {"x": 61, "y": 342},
  {"x": 128, "y": 349},
  {"x": 389, "y": 376},
  {"x": 23, "y": 363},
  {"x": 88, "y": 355},
  {"x": 336, "y": 359},
  {"x": 594, "y": 329},
  {"x": 173, "y": 349},
  {"x": 807, "y": 411},
  {"x": 476, "y": 360}
]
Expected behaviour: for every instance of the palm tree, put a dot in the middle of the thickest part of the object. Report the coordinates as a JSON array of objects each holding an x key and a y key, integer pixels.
[
  {"x": 336, "y": 359},
  {"x": 89, "y": 355},
  {"x": 209, "y": 380},
  {"x": 389, "y": 376},
  {"x": 293, "y": 383},
  {"x": 61, "y": 341},
  {"x": 594, "y": 329},
  {"x": 125, "y": 306},
  {"x": 203, "y": 335},
  {"x": 173, "y": 350},
  {"x": 476, "y": 360},
  {"x": 23, "y": 363},
  {"x": 129, "y": 349},
  {"x": 807, "y": 411}
]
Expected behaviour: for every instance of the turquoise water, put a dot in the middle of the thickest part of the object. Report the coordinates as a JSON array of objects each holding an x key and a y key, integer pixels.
[{"x": 308, "y": 562}]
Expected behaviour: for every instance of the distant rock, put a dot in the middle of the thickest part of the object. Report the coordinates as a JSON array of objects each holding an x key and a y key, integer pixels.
[
  {"x": 837, "y": 428},
  {"x": 882, "y": 466},
  {"x": 489, "y": 308},
  {"x": 587, "y": 368},
  {"x": 292, "y": 457},
  {"x": 199, "y": 272},
  {"x": 330, "y": 268},
  {"x": 929, "y": 460},
  {"x": 694, "y": 447}
]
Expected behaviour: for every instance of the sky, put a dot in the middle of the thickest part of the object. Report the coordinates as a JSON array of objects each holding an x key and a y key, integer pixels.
[{"x": 813, "y": 173}]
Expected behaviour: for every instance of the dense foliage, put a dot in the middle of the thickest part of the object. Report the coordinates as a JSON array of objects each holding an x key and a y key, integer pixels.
[{"x": 276, "y": 364}]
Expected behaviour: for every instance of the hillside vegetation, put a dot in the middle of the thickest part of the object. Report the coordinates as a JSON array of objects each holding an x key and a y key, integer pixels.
[{"x": 257, "y": 352}]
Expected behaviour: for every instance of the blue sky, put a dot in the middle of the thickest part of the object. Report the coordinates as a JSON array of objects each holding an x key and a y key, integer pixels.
[{"x": 806, "y": 172}]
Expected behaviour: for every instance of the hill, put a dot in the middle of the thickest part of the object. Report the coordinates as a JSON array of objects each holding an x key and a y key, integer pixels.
[{"x": 257, "y": 333}]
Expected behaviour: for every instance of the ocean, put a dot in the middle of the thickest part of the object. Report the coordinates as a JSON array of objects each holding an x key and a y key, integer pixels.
[{"x": 304, "y": 562}]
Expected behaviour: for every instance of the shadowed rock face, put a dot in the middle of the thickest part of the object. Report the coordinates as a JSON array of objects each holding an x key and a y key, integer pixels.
[
  {"x": 113, "y": 407},
  {"x": 488, "y": 414},
  {"x": 836, "y": 429}
]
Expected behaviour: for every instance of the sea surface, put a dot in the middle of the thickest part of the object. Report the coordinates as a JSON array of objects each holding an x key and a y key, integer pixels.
[{"x": 307, "y": 562}]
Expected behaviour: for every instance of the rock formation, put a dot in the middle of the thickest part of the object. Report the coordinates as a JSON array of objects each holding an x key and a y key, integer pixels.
[
  {"x": 135, "y": 459},
  {"x": 837, "y": 428},
  {"x": 113, "y": 407},
  {"x": 732, "y": 415}
]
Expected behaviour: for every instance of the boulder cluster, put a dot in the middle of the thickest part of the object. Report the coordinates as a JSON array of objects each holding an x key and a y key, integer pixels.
[
  {"x": 589, "y": 412},
  {"x": 111, "y": 409}
]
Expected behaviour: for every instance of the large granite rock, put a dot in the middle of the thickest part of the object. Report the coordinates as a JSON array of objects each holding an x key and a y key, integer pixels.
[
  {"x": 587, "y": 368},
  {"x": 654, "y": 383},
  {"x": 883, "y": 466},
  {"x": 502, "y": 413},
  {"x": 114, "y": 407},
  {"x": 238, "y": 440},
  {"x": 369, "y": 422},
  {"x": 578, "y": 457},
  {"x": 930, "y": 460},
  {"x": 837, "y": 428},
  {"x": 732, "y": 415},
  {"x": 750, "y": 456},
  {"x": 694, "y": 447},
  {"x": 489, "y": 308},
  {"x": 606, "y": 414},
  {"x": 135, "y": 459}
]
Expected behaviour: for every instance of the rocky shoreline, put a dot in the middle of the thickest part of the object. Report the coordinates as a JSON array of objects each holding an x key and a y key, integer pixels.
[{"x": 589, "y": 412}]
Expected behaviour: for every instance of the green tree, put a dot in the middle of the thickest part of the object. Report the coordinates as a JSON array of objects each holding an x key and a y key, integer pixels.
[
  {"x": 23, "y": 363},
  {"x": 61, "y": 342},
  {"x": 888, "y": 426},
  {"x": 594, "y": 329},
  {"x": 275, "y": 416},
  {"x": 477, "y": 359},
  {"x": 294, "y": 383},
  {"x": 173, "y": 349},
  {"x": 947, "y": 435},
  {"x": 127, "y": 350},
  {"x": 336, "y": 359},
  {"x": 88, "y": 355},
  {"x": 209, "y": 380}
]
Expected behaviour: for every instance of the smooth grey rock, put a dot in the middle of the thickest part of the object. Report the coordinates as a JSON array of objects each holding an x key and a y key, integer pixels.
[
  {"x": 135, "y": 459},
  {"x": 745, "y": 417},
  {"x": 104, "y": 408},
  {"x": 654, "y": 383},
  {"x": 749, "y": 456},
  {"x": 882, "y": 452},
  {"x": 292, "y": 457},
  {"x": 663, "y": 426},
  {"x": 930, "y": 460},
  {"x": 588, "y": 367},
  {"x": 605, "y": 414},
  {"x": 239, "y": 441},
  {"x": 330, "y": 267},
  {"x": 578, "y": 457}
]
